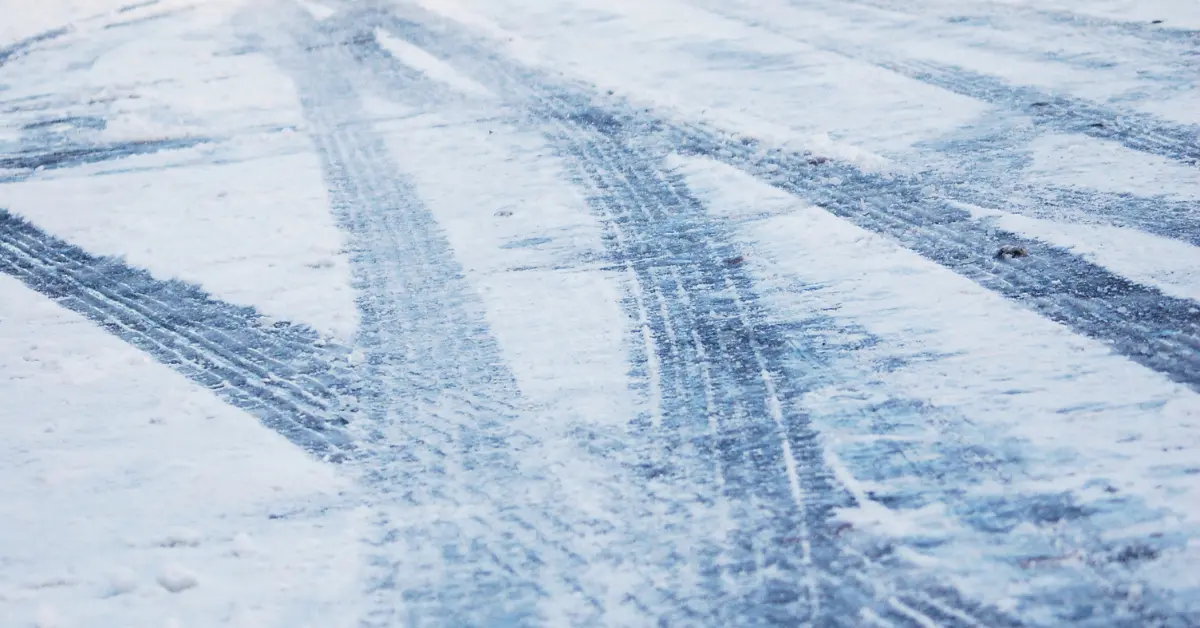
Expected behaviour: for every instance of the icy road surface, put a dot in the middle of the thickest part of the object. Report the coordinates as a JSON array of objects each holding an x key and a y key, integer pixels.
[{"x": 622, "y": 313}]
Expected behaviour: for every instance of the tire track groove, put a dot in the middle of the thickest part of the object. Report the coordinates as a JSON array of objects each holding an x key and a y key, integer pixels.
[
  {"x": 147, "y": 314},
  {"x": 473, "y": 528}
]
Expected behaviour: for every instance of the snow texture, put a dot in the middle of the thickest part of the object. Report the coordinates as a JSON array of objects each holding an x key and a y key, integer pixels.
[{"x": 599, "y": 312}]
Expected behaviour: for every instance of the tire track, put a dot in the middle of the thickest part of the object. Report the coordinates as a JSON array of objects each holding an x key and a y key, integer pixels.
[
  {"x": 1152, "y": 42},
  {"x": 70, "y": 157},
  {"x": 992, "y": 161},
  {"x": 279, "y": 374},
  {"x": 22, "y": 46},
  {"x": 724, "y": 417},
  {"x": 764, "y": 453},
  {"x": 1137, "y": 131},
  {"x": 1066, "y": 114},
  {"x": 1161, "y": 216},
  {"x": 1155, "y": 330},
  {"x": 473, "y": 526},
  {"x": 460, "y": 571},
  {"x": 1155, "y": 34},
  {"x": 604, "y": 143},
  {"x": 980, "y": 169}
]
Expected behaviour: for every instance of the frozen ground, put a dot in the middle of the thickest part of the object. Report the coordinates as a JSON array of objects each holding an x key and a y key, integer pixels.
[{"x": 599, "y": 312}]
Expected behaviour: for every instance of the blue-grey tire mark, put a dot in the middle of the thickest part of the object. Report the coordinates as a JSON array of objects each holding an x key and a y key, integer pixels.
[
  {"x": 74, "y": 122},
  {"x": 720, "y": 373},
  {"x": 1154, "y": 33},
  {"x": 719, "y": 362},
  {"x": 1162, "y": 42},
  {"x": 667, "y": 607},
  {"x": 1149, "y": 31},
  {"x": 658, "y": 599},
  {"x": 1138, "y": 131},
  {"x": 441, "y": 403},
  {"x": 1085, "y": 600},
  {"x": 984, "y": 166},
  {"x": 1163, "y": 216},
  {"x": 137, "y": 5},
  {"x": 282, "y": 373},
  {"x": 23, "y": 45},
  {"x": 153, "y": 17},
  {"x": 69, "y": 156},
  {"x": 33, "y": 102},
  {"x": 407, "y": 280},
  {"x": 1155, "y": 330}
]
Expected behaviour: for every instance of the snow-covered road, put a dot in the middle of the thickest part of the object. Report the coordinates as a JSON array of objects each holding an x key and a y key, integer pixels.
[{"x": 599, "y": 312}]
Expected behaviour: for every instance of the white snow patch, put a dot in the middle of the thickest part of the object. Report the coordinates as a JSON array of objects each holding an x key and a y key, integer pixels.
[
  {"x": 176, "y": 578},
  {"x": 699, "y": 66},
  {"x": 1170, "y": 265},
  {"x": 1084, "y": 162},
  {"x": 524, "y": 239},
  {"x": 518, "y": 47},
  {"x": 243, "y": 545},
  {"x": 319, "y": 11},
  {"x": 255, "y": 233},
  {"x": 1184, "y": 106},
  {"x": 92, "y": 483},
  {"x": 429, "y": 65},
  {"x": 48, "y": 617},
  {"x": 121, "y": 580}
]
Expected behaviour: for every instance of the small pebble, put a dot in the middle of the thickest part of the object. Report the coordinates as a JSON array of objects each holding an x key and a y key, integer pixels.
[{"x": 1011, "y": 252}]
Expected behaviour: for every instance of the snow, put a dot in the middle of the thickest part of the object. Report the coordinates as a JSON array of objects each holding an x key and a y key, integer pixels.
[
  {"x": 1138, "y": 423},
  {"x": 1172, "y": 13},
  {"x": 122, "y": 580},
  {"x": 256, "y": 232},
  {"x": 527, "y": 242},
  {"x": 428, "y": 64},
  {"x": 134, "y": 496},
  {"x": 253, "y": 228},
  {"x": 48, "y": 617},
  {"x": 825, "y": 94},
  {"x": 519, "y": 47},
  {"x": 1091, "y": 164},
  {"x": 1169, "y": 265},
  {"x": 175, "y": 578},
  {"x": 319, "y": 11},
  {"x": 121, "y": 473}
]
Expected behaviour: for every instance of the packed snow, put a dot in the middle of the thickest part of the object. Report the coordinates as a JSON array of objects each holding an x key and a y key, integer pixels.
[{"x": 599, "y": 312}]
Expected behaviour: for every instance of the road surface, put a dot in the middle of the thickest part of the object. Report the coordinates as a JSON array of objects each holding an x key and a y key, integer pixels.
[{"x": 600, "y": 312}]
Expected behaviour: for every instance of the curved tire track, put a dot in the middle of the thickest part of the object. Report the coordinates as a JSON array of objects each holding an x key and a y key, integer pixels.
[
  {"x": 660, "y": 235},
  {"x": 725, "y": 418},
  {"x": 473, "y": 526}
]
